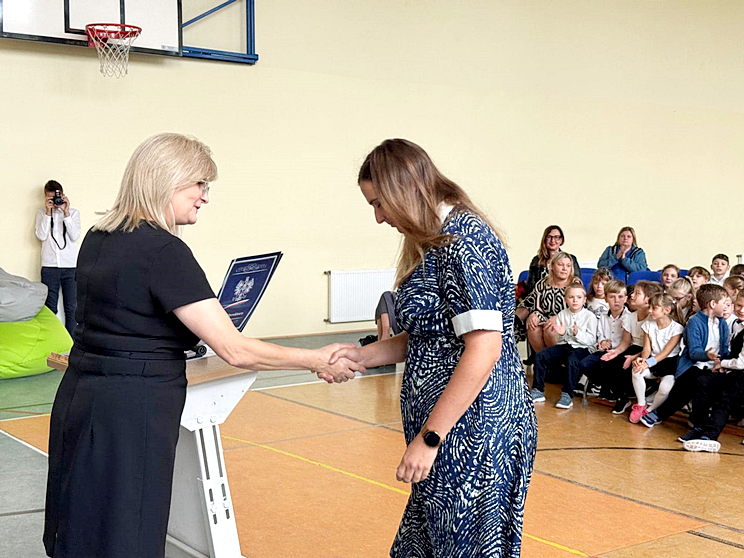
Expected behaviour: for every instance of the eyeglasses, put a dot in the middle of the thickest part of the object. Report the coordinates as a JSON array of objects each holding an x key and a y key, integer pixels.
[
  {"x": 204, "y": 185},
  {"x": 553, "y": 237}
]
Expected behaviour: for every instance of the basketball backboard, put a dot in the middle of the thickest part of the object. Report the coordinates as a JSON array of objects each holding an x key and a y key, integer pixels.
[
  {"x": 224, "y": 32},
  {"x": 63, "y": 21}
]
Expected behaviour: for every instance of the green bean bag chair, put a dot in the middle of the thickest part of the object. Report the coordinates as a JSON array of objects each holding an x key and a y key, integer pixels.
[{"x": 25, "y": 346}]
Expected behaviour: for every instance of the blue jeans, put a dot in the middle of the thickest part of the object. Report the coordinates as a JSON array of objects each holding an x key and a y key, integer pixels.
[{"x": 53, "y": 278}]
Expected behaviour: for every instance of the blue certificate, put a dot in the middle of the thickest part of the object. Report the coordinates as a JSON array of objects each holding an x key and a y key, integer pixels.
[{"x": 244, "y": 285}]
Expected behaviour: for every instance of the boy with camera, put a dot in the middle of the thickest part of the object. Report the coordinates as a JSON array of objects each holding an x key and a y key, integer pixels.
[{"x": 58, "y": 227}]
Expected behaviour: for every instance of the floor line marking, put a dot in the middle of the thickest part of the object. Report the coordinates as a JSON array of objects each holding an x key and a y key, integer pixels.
[
  {"x": 318, "y": 381},
  {"x": 22, "y": 442},
  {"x": 319, "y": 464},
  {"x": 23, "y": 512},
  {"x": 555, "y": 545},
  {"x": 379, "y": 484},
  {"x": 23, "y": 418},
  {"x": 640, "y": 502},
  {"x": 716, "y": 539}
]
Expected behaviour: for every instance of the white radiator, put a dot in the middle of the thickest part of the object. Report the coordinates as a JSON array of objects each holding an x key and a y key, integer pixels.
[{"x": 353, "y": 294}]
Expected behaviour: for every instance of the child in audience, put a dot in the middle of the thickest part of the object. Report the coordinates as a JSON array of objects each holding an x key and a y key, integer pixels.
[
  {"x": 738, "y": 269},
  {"x": 609, "y": 331},
  {"x": 730, "y": 318},
  {"x": 699, "y": 276},
  {"x": 595, "y": 298},
  {"x": 705, "y": 339},
  {"x": 682, "y": 292},
  {"x": 705, "y": 438},
  {"x": 669, "y": 273},
  {"x": 617, "y": 361},
  {"x": 720, "y": 267},
  {"x": 734, "y": 284},
  {"x": 576, "y": 330},
  {"x": 661, "y": 337}
]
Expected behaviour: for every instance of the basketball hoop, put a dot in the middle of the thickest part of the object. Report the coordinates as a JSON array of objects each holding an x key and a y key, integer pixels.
[{"x": 112, "y": 41}]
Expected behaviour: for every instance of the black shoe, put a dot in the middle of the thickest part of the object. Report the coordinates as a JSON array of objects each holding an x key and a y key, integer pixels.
[
  {"x": 621, "y": 405},
  {"x": 694, "y": 434},
  {"x": 367, "y": 340}
]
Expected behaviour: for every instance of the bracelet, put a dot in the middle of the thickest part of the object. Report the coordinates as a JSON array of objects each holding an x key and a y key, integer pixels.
[{"x": 650, "y": 361}]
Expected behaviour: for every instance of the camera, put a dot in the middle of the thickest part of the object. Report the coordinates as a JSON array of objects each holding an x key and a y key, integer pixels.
[{"x": 57, "y": 199}]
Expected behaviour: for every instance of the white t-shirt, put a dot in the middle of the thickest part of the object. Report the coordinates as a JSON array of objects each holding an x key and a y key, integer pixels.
[
  {"x": 660, "y": 337},
  {"x": 633, "y": 326},
  {"x": 598, "y": 306}
]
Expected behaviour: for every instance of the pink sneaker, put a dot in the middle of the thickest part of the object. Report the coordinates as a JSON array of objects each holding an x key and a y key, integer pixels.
[{"x": 637, "y": 412}]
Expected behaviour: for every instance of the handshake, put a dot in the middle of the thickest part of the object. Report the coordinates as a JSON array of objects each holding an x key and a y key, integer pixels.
[{"x": 339, "y": 362}]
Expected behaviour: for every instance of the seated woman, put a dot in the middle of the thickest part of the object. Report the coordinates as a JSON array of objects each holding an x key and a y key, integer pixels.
[
  {"x": 550, "y": 245},
  {"x": 545, "y": 301},
  {"x": 624, "y": 257}
]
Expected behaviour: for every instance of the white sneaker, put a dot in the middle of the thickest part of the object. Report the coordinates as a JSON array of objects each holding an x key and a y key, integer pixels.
[{"x": 711, "y": 446}]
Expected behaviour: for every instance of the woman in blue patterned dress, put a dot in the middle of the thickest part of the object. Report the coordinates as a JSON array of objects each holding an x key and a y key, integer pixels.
[{"x": 468, "y": 419}]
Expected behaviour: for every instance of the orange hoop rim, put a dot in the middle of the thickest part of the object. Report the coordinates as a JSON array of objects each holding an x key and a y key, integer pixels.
[{"x": 105, "y": 31}]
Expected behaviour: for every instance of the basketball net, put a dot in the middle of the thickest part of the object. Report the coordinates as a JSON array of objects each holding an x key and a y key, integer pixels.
[{"x": 113, "y": 42}]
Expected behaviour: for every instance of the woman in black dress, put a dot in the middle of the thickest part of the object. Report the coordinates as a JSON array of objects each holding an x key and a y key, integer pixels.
[{"x": 142, "y": 301}]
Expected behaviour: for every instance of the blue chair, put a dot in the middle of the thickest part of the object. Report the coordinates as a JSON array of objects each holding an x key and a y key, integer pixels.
[
  {"x": 586, "y": 276},
  {"x": 523, "y": 276},
  {"x": 636, "y": 276}
]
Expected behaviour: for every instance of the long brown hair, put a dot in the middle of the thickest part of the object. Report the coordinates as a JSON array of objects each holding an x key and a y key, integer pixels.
[
  {"x": 542, "y": 253},
  {"x": 410, "y": 189}
]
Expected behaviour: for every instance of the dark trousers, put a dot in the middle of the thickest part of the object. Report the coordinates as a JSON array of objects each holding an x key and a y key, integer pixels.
[
  {"x": 683, "y": 391},
  {"x": 616, "y": 379},
  {"x": 591, "y": 367},
  {"x": 730, "y": 398},
  {"x": 54, "y": 278},
  {"x": 555, "y": 356}
]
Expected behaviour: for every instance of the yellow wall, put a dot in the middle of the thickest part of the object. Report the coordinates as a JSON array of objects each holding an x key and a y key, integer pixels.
[{"x": 592, "y": 114}]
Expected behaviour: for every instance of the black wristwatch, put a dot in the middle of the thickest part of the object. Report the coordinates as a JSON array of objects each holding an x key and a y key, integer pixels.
[{"x": 431, "y": 438}]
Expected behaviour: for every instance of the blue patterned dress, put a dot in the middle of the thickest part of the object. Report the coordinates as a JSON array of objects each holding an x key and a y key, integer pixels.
[{"x": 472, "y": 503}]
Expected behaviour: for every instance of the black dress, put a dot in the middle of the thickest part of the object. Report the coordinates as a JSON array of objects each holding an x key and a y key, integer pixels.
[{"x": 115, "y": 419}]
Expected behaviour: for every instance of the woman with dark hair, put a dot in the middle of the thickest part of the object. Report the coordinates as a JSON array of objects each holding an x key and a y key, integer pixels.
[
  {"x": 624, "y": 257},
  {"x": 550, "y": 245},
  {"x": 468, "y": 419}
]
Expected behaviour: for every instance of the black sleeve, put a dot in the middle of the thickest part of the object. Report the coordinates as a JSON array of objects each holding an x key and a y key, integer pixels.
[
  {"x": 176, "y": 279},
  {"x": 534, "y": 274},
  {"x": 577, "y": 267}
]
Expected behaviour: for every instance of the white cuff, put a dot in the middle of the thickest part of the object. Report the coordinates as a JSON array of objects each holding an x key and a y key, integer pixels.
[{"x": 473, "y": 320}]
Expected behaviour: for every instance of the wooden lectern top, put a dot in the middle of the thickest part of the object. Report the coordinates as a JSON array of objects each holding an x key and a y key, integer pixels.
[{"x": 198, "y": 371}]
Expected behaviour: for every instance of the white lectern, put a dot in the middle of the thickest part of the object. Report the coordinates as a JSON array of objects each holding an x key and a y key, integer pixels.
[{"x": 202, "y": 520}]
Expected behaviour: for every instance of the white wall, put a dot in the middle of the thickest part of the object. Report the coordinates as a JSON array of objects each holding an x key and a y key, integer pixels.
[{"x": 591, "y": 114}]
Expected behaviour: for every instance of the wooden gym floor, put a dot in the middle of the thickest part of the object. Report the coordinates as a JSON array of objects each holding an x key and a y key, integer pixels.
[{"x": 312, "y": 473}]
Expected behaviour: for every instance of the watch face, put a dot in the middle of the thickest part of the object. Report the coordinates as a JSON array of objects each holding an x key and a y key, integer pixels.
[{"x": 432, "y": 439}]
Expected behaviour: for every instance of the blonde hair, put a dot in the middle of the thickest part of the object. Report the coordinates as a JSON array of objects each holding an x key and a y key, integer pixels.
[
  {"x": 571, "y": 277},
  {"x": 615, "y": 286},
  {"x": 410, "y": 189},
  {"x": 682, "y": 312},
  {"x": 664, "y": 301},
  {"x": 631, "y": 231},
  {"x": 158, "y": 168}
]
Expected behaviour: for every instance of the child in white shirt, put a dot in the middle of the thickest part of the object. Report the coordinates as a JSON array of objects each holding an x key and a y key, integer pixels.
[
  {"x": 618, "y": 361},
  {"x": 576, "y": 331},
  {"x": 661, "y": 340},
  {"x": 595, "y": 298}
]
